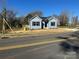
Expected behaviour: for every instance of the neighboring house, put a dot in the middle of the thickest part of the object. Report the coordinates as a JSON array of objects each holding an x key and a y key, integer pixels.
[
  {"x": 53, "y": 22},
  {"x": 35, "y": 22},
  {"x": 43, "y": 22}
]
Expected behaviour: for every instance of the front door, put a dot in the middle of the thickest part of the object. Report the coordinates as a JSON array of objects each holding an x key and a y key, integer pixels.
[
  {"x": 46, "y": 24},
  {"x": 43, "y": 25}
]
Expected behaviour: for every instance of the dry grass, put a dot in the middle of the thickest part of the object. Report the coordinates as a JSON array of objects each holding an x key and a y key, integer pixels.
[{"x": 21, "y": 33}]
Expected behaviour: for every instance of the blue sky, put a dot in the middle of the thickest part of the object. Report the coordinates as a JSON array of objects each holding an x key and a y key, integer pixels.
[{"x": 48, "y": 7}]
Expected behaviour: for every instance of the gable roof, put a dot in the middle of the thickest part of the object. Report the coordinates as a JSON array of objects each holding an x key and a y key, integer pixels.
[
  {"x": 45, "y": 18},
  {"x": 34, "y": 17},
  {"x": 52, "y": 17}
]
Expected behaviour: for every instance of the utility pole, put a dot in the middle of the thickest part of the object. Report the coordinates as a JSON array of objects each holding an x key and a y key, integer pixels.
[
  {"x": 4, "y": 18},
  {"x": 4, "y": 15}
]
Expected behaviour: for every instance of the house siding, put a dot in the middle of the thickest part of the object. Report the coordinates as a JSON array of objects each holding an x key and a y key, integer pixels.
[
  {"x": 40, "y": 20},
  {"x": 36, "y": 19},
  {"x": 49, "y": 23}
]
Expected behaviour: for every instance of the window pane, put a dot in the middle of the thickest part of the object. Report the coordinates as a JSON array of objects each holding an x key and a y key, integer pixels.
[
  {"x": 38, "y": 23},
  {"x": 52, "y": 23},
  {"x": 35, "y": 23}
]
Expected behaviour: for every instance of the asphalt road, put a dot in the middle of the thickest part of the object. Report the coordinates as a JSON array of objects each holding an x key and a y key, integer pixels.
[
  {"x": 26, "y": 40},
  {"x": 47, "y": 51}
]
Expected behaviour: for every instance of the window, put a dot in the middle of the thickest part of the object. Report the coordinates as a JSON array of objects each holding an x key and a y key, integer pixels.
[
  {"x": 38, "y": 23},
  {"x": 52, "y": 23},
  {"x": 35, "y": 23}
]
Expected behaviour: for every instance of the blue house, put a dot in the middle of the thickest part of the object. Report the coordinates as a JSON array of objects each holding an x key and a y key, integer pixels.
[{"x": 43, "y": 22}]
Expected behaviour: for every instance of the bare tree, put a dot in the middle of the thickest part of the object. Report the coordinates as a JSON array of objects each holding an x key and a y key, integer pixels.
[
  {"x": 36, "y": 13},
  {"x": 10, "y": 17},
  {"x": 1, "y": 21},
  {"x": 30, "y": 15},
  {"x": 64, "y": 18},
  {"x": 74, "y": 21}
]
